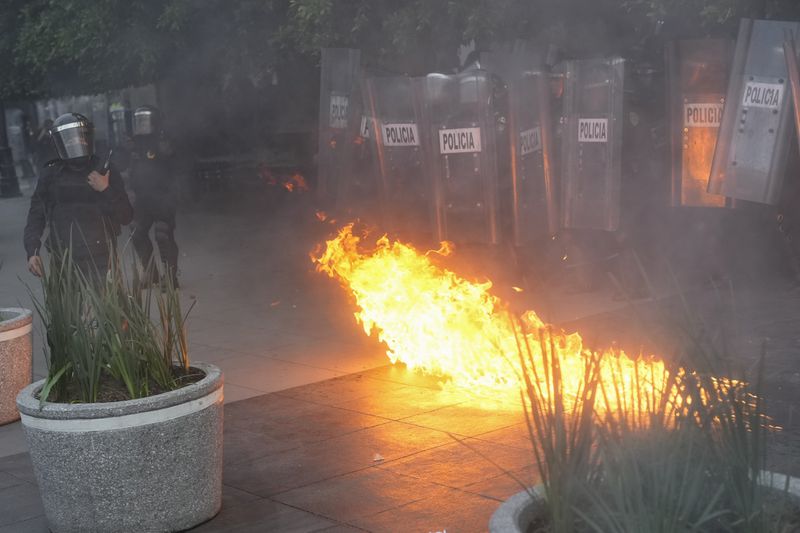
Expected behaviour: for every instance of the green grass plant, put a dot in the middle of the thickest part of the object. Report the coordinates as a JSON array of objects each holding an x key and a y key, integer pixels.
[
  {"x": 109, "y": 331},
  {"x": 684, "y": 458}
]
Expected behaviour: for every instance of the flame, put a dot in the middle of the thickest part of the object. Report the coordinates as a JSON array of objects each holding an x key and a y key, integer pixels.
[
  {"x": 299, "y": 181},
  {"x": 295, "y": 182},
  {"x": 437, "y": 322}
]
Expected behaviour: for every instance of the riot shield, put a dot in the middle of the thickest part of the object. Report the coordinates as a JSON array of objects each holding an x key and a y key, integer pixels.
[
  {"x": 697, "y": 78},
  {"x": 101, "y": 121},
  {"x": 534, "y": 190},
  {"x": 462, "y": 156},
  {"x": 591, "y": 144},
  {"x": 339, "y": 105},
  {"x": 750, "y": 157},
  {"x": 16, "y": 134},
  {"x": 790, "y": 52},
  {"x": 399, "y": 147},
  {"x": 120, "y": 118}
]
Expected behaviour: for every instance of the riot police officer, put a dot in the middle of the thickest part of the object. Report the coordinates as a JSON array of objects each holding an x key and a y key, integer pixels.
[
  {"x": 81, "y": 200},
  {"x": 154, "y": 186}
]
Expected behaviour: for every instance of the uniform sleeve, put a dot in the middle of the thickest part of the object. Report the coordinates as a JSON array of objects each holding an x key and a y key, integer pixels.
[
  {"x": 117, "y": 204},
  {"x": 37, "y": 217}
]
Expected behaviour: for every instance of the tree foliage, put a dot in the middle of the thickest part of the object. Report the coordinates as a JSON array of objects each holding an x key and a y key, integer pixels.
[{"x": 68, "y": 46}]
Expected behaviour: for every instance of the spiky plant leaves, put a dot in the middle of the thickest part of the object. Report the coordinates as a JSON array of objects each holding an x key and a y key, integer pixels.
[{"x": 100, "y": 329}]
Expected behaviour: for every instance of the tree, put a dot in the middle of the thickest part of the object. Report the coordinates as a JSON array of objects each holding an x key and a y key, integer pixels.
[{"x": 86, "y": 46}]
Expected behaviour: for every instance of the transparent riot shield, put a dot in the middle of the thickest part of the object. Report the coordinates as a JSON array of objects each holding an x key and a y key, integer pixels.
[
  {"x": 534, "y": 189},
  {"x": 591, "y": 144},
  {"x": 750, "y": 157},
  {"x": 462, "y": 156},
  {"x": 100, "y": 119},
  {"x": 120, "y": 122},
  {"x": 399, "y": 147},
  {"x": 339, "y": 105},
  {"x": 793, "y": 68},
  {"x": 15, "y": 130},
  {"x": 697, "y": 78}
]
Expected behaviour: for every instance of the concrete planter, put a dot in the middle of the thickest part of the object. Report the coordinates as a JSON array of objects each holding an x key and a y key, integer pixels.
[
  {"x": 516, "y": 513},
  {"x": 16, "y": 347},
  {"x": 152, "y": 464}
]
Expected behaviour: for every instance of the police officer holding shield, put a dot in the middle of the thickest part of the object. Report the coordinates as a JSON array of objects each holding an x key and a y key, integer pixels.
[
  {"x": 154, "y": 186},
  {"x": 79, "y": 199}
]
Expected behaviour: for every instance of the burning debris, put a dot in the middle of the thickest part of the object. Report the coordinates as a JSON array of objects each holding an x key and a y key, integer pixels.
[
  {"x": 437, "y": 322},
  {"x": 293, "y": 182}
]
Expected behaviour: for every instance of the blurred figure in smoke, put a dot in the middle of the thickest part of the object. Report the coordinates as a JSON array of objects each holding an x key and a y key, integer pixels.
[
  {"x": 155, "y": 189},
  {"x": 82, "y": 203}
]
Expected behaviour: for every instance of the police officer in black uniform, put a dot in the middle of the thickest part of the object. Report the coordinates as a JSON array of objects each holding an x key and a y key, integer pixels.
[
  {"x": 154, "y": 186},
  {"x": 83, "y": 204}
]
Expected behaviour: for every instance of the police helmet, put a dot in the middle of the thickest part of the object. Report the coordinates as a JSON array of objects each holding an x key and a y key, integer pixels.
[
  {"x": 146, "y": 121},
  {"x": 474, "y": 86},
  {"x": 438, "y": 89},
  {"x": 73, "y": 136}
]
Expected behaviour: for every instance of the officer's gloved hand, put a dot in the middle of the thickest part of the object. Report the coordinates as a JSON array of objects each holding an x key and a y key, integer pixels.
[{"x": 97, "y": 181}]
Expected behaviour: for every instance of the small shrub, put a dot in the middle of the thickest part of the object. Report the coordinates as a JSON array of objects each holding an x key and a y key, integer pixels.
[{"x": 107, "y": 336}]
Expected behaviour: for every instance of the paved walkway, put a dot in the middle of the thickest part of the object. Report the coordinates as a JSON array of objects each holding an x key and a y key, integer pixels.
[{"x": 320, "y": 434}]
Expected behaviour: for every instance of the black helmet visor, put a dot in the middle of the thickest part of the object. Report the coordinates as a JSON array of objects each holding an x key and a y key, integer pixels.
[{"x": 73, "y": 140}]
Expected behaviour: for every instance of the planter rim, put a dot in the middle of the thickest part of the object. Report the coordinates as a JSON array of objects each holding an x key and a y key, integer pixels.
[
  {"x": 507, "y": 517},
  {"x": 28, "y": 404},
  {"x": 22, "y": 317}
]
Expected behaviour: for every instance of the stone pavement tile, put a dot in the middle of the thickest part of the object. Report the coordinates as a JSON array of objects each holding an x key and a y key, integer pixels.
[
  {"x": 282, "y": 471},
  {"x": 470, "y": 418},
  {"x": 458, "y": 464},
  {"x": 7, "y": 480},
  {"x": 394, "y": 402},
  {"x": 399, "y": 373},
  {"x": 242, "y": 446},
  {"x": 515, "y": 436},
  {"x": 37, "y": 524},
  {"x": 19, "y": 466},
  {"x": 236, "y": 393},
  {"x": 19, "y": 503},
  {"x": 504, "y": 486},
  {"x": 270, "y": 375},
  {"x": 332, "y": 355},
  {"x": 379, "y": 444},
  {"x": 228, "y": 336},
  {"x": 341, "y": 528},
  {"x": 340, "y": 390},
  {"x": 262, "y": 515},
  {"x": 12, "y": 439},
  {"x": 356, "y": 495},
  {"x": 234, "y": 496},
  {"x": 294, "y": 420},
  {"x": 209, "y": 354},
  {"x": 441, "y": 509}
]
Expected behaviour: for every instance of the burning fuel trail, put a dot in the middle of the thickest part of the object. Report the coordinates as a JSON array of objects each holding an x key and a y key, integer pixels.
[{"x": 435, "y": 321}]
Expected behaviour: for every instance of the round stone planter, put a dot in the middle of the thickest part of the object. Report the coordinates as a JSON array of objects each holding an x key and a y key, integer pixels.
[
  {"x": 15, "y": 358},
  {"x": 516, "y": 513},
  {"x": 152, "y": 464}
]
